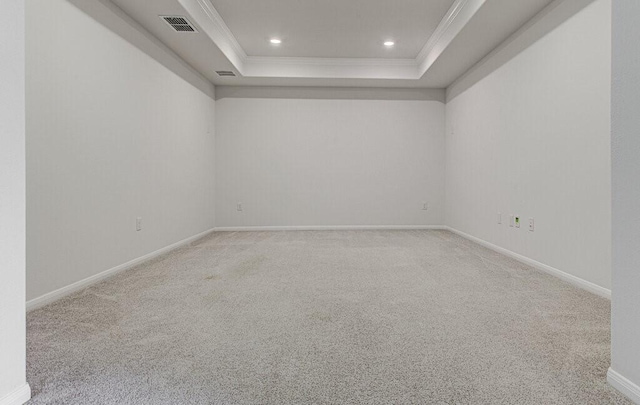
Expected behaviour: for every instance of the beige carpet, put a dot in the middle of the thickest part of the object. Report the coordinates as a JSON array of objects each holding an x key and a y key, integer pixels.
[{"x": 345, "y": 317}]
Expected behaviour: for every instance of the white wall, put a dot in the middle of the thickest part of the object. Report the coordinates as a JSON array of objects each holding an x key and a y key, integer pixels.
[
  {"x": 111, "y": 135},
  {"x": 323, "y": 162},
  {"x": 13, "y": 388},
  {"x": 532, "y": 138},
  {"x": 625, "y": 305}
]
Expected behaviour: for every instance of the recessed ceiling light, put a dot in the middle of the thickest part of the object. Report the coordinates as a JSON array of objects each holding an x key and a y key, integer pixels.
[
  {"x": 276, "y": 41},
  {"x": 389, "y": 43}
]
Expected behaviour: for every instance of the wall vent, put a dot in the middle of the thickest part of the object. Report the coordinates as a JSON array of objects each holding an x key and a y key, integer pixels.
[
  {"x": 178, "y": 23},
  {"x": 225, "y": 73}
]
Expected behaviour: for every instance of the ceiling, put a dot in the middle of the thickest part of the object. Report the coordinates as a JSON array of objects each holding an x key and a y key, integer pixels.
[
  {"x": 332, "y": 28},
  {"x": 335, "y": 42}
]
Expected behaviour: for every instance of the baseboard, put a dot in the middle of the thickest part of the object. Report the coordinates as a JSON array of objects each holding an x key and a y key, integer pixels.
[
  {"x": 629, "y": 389},
  {"x": 577, "y": 281},
  {"x": 19, "y": 396},
  {"x": 79, "y": 285},
  {"x": 328, "y": 228}
]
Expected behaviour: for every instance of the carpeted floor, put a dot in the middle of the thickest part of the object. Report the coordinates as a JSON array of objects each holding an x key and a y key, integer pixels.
[{"x": 333, "y": 317}]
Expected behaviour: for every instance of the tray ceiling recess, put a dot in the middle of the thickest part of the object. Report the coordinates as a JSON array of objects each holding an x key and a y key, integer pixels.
[
  {"x": 333, "y": 43},
  {"x": 211, "y": 24}
]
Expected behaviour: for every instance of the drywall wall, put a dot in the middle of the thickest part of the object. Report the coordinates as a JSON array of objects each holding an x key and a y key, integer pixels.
[
  {"x": 532, "y": 138},
  {"x": 112, "y": 135},
  {"x": 13, "y": 387},
  {"x": 625, "y": 146},
  {"x": 329, "y": 162},
  {"x": 116, "y": 20}
]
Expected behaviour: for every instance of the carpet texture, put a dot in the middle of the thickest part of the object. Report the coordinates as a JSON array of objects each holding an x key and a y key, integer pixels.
[{"x": 328, "y": 317}]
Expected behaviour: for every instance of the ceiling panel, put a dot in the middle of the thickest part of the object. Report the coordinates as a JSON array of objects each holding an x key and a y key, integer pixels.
[{"x": 333, "y": 28}]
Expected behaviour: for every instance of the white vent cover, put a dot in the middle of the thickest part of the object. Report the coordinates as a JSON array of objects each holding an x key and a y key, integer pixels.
[
  {"x": 225, "y": 73},
  {"x": 179, "y": 23}
]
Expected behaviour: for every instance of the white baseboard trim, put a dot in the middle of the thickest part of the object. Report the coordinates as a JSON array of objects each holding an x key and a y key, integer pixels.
[
  {"x": 18, "y": 396},
  {"x": 328, "y": 228},
  {"x": 577, "y": 281},
  {"x": 622, "y": 384},
  {"x": 79, "y": 285}
]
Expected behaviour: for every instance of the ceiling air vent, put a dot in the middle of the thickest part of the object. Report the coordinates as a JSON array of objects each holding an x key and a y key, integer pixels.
[
  {"x": 225, "y": 73},
  {"x": 178, "y": 23}
]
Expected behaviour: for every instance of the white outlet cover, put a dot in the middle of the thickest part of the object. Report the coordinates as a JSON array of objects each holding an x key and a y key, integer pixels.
[
  {"x": 499, "y": 218},
  {"x": 532, "y": 225}
]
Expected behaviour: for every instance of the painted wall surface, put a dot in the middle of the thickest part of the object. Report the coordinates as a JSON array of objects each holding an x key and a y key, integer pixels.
[
  {"x": 532, "y": 138},
  {"x": 13, "y": 385},
  {"x": 319, "y": 162},
  {"x": 625, "y": 305},
  {"x": 111, "y": 135},
  {"x": 12, "y": 200}
]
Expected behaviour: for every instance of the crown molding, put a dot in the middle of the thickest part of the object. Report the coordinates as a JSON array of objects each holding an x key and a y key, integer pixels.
[
  {"x": 444, "y": 24},
  {"x": 450, "y": 26},
  {"x": 331, "y": 68},
  {"x": 213, "y": 14},
  {"x": 204, "y": 14},
  {"x": 282, "y": 60},
  {"x": 211, "y": 24},
  {"x": 442, "y": 27},
  {"x": 331, "y": 93}
]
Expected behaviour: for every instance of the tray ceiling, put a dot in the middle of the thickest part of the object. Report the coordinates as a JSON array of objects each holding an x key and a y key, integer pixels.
[
  {"x": 335, "y": 42},
  {"x": 332, "y": 28}
]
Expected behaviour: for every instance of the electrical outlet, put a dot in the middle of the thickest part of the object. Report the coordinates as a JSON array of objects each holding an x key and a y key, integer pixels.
[
  {"x": 512, "y": 221},
  {"x": 499, "y": 218},
  {"x": 532, "y": 226},
  {"x": 138, "y": 224},
  {"x": 425, "y": 206},
  {"x": 517, "y": 222},
  {"x": 239, "y": 206}
]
